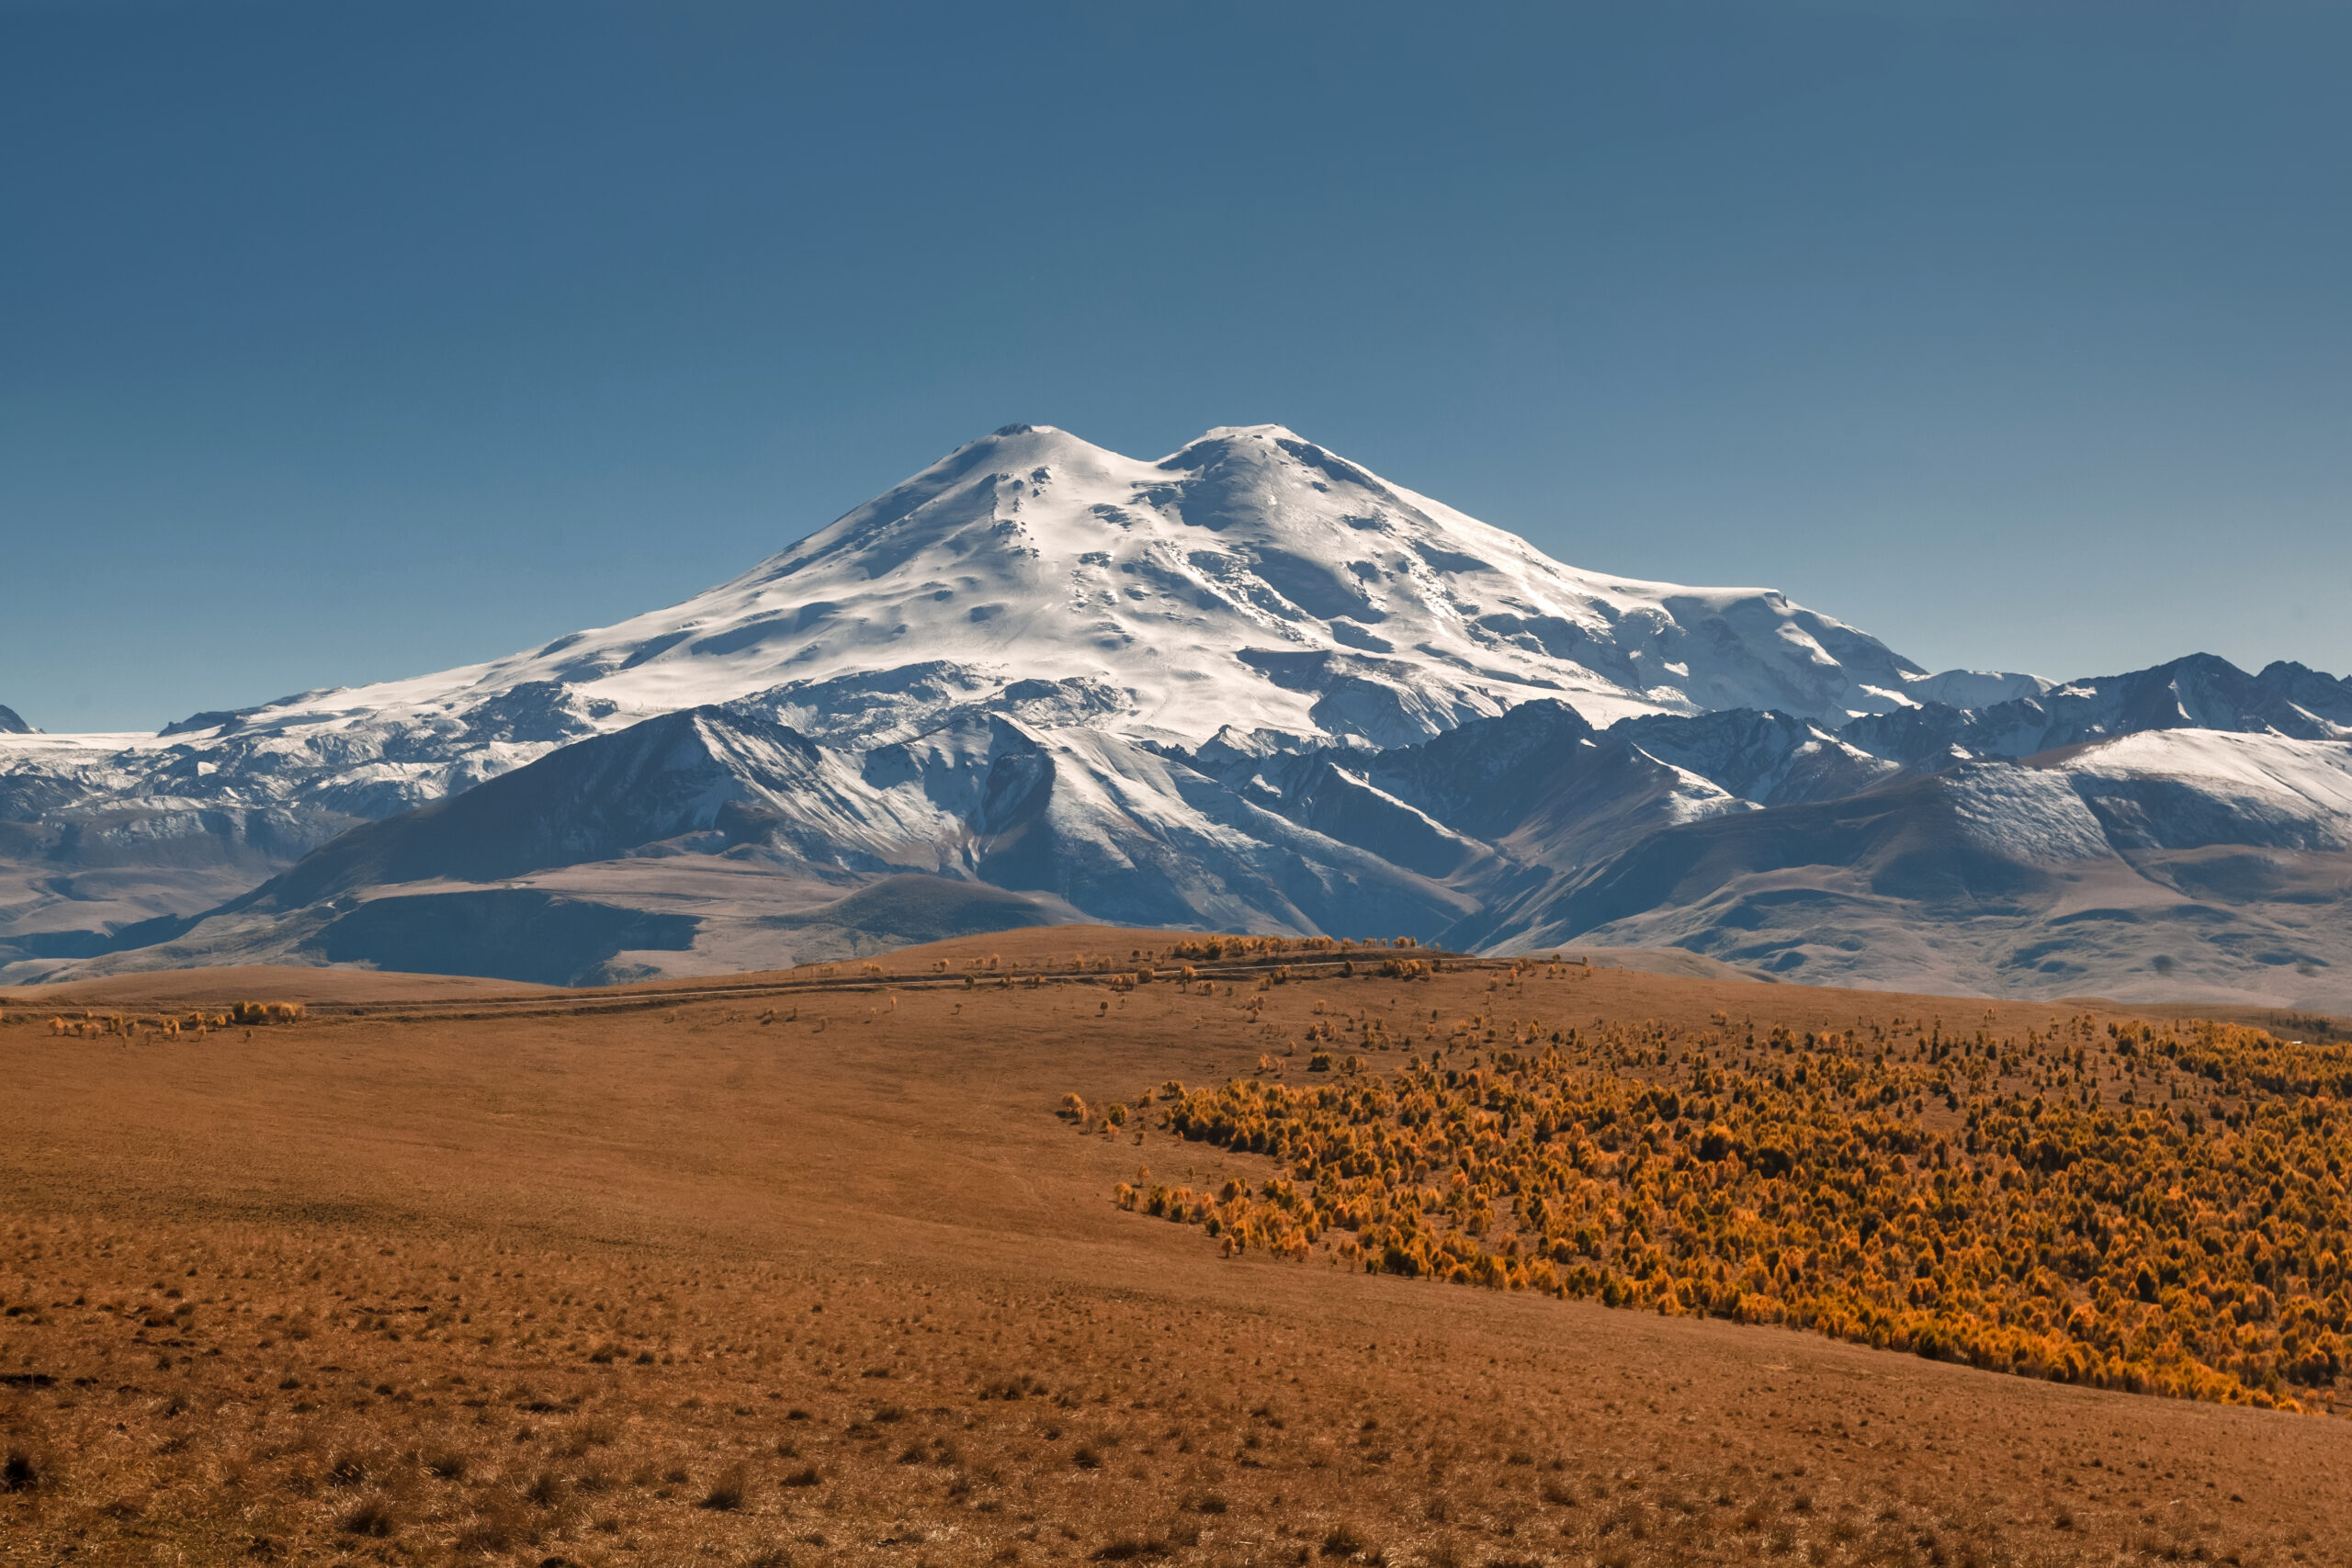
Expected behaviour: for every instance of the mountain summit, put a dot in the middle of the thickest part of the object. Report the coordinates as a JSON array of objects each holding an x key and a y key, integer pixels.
[
  {"x": 1248, "y": 684},
  {"x": 1250, "y": 580}
]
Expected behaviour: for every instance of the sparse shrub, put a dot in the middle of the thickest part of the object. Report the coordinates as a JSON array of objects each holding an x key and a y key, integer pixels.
[
  {"x": 25, "y": 1467},
  {"x": 500, "y": 1524},
  {"x": 590, "y": 1434},
  {"x": 263, "y": 1013},
  {"x": 372, "y": 1515},
  {"x": 1017, "y": 1386},
  {"x": 726, "y": 1492}
]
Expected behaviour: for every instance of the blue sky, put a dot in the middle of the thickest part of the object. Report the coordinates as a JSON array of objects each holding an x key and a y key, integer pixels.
[{"x": 357, "y": 340}]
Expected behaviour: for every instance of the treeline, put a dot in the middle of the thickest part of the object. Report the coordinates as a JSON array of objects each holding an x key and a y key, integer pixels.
[
  {"x": 88, "y": 1025},
  {"x": 1215, "y": 948}
]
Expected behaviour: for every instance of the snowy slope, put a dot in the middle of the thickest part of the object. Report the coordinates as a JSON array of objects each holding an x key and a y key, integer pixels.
[
  {"x": 692, "y": 841},
  {"x": 1250, "y": 586},
  {"x": 2172, "y": 862},
  {"x": 1249, "y": 579},
  {"x": 2198, "y": 691},
  {"x": 2185, "y": 789},
  {"x": 2175, "y": 862}
]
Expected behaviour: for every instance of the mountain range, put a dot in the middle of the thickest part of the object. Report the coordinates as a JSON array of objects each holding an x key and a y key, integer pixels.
[{"x": 1248, "y": 685}]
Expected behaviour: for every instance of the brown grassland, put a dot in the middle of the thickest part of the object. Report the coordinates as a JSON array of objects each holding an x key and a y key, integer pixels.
[{"x": 805, "y": 1268}]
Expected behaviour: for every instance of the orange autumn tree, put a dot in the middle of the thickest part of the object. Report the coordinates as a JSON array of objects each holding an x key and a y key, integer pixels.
[{"x": 2157, "y": 1212}]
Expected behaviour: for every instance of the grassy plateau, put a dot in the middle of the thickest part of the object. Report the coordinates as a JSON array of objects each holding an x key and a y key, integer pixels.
[{"x": 1091, "y": 1245}]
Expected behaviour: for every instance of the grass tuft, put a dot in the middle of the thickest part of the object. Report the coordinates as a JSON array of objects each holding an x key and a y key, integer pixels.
[
  {"x": 372, "y": 1515},
  {"x": 726, "y": 1492},
  {"x": 1342, "y": 1540}
]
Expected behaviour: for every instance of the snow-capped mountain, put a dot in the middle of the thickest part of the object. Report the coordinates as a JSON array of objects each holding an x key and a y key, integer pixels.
[
  {"x": 2172, "y": 861},
  {"x": 716, "y": 838},
  {"x": 1250, "y": 589},
  {"x": 1247, "y": 685},
  {"x": 1250, "y": 579},
  {"x": 2200, "y": 691}
]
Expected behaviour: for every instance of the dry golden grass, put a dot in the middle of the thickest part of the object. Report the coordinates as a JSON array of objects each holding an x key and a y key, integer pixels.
[
  {"x": 638, "y": 1278},
  {"x": 217, "y": 987}
]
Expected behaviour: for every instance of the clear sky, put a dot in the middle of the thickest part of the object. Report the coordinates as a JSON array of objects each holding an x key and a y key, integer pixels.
[{"x": 352, "y": 340}]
